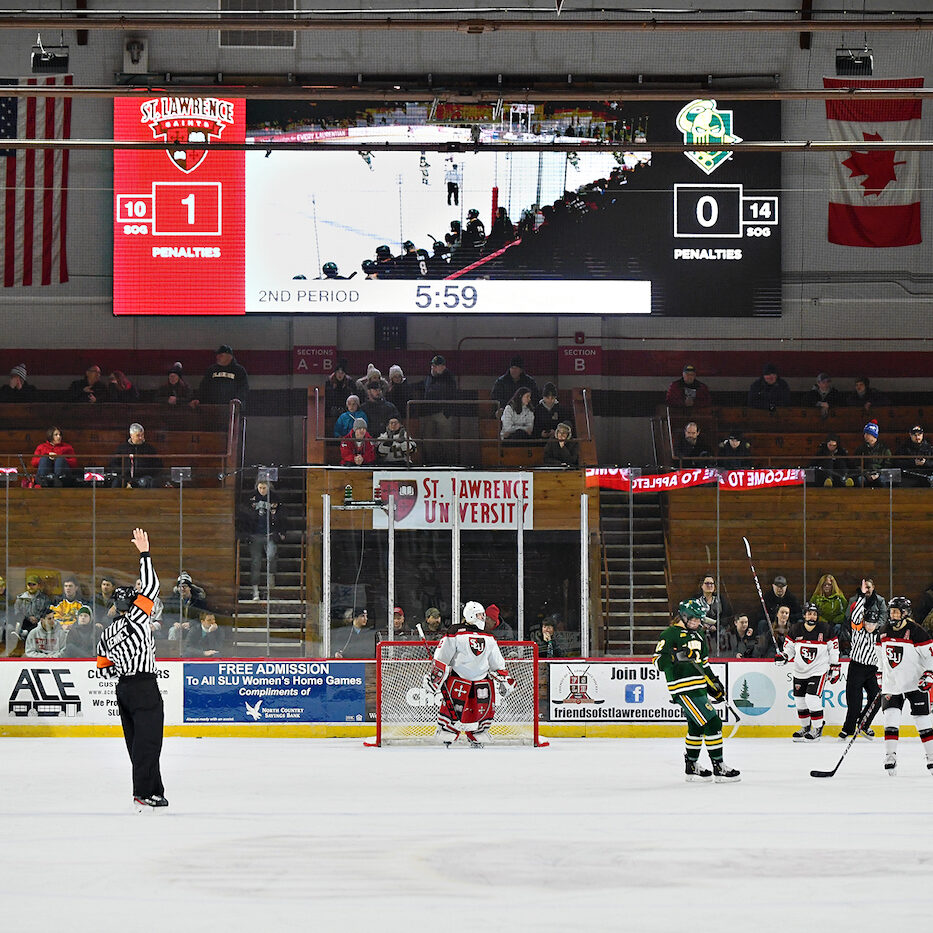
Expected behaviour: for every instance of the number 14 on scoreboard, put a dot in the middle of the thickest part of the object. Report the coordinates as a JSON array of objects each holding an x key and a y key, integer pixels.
[
  {"x": 175, "y": 208},
  {"x": 722, "y": 211}
]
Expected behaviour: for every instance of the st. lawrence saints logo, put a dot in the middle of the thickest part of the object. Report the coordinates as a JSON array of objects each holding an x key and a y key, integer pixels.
[
  {"x": 894, "y": 654},
  {"x": 186, "y": 123},
  {"x": 477, "y": 646},
  {"x": 807, "y": 653}
]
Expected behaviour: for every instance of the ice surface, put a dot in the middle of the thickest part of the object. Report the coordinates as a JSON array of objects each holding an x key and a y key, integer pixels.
[{"x": 586, "y": 835}]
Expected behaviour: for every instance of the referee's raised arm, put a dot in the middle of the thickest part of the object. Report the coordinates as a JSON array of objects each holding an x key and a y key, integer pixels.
[{"x": 148, "y": 578}]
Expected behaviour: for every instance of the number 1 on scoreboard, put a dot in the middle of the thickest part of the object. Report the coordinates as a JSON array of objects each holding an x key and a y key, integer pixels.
[{"x": 183, "y": 208}]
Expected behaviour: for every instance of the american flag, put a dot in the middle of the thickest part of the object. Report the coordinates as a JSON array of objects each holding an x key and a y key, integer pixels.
[{"x": 35, "y": 197}]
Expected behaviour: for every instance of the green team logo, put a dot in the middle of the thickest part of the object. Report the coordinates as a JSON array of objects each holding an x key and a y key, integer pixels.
[{"x": 702, "y": 122}]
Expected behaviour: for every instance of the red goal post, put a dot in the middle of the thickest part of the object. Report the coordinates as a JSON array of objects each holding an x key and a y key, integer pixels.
[{"x": 406, "y": 706}]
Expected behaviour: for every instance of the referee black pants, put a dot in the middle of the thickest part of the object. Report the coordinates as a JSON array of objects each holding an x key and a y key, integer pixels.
[
  {"x": 142, "y": 715},
  {"x": 860, "y": 677}
]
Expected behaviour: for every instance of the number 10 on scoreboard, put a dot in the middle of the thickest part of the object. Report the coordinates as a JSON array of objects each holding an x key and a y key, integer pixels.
[
  {"x": 174, "y": 209},
  {"x": 722, "y": 212}
]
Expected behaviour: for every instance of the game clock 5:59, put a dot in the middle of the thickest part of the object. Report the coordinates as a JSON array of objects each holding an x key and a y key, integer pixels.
[{"x": 450, "y": 297}]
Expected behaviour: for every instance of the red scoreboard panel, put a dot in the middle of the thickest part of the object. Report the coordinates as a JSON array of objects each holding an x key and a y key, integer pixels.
[{"x": 179, "y": 243}]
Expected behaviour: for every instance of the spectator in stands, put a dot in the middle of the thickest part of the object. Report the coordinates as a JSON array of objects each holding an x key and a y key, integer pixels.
[
  {"x": 185, "y": 586},
  {"x": 769, "y": 391},
  {"x": 546, "y": 640},
  {"x": 373, "y": 377},
  {"x": 29, "y": 607},
  {"x": 337, "y": 389},
  {"x": 357, "y": 448},
  {"x": 690, "y": 448},
  {"x": 204, "y": 639},
  {"x": 433, "y": 627},
  {"x": 688, "y": 391},
  {"x": 718, "y": 608},
  {"x": 513, "y": 379},
  {"x": 781, "y": 621},
  {"x": 823, "y": 395},
  {"x": 262, "y": 525},
  {"x": 547, "y": 413},
  {"x": 394, "y": 446},
  {"x": 88, "y": 389},
  {"x": 120, "y": 389},
  {"x": 18, "y": 389},
  {"x": 739, "y": 639},
  {"x": 174, "y": 391},
  {"x": 832, "y": 464},
  {"x": 495, "y": 623},
  {"x": 47, "y": 639},
  {"x": 186, "y": 602},
  {"x": 778, "y": 595},
  {"x": 354, "y": 640},
  {"x": 104, "y": 600},
  {"x": 830, "y": 602},
  {"x": 81, "y": 639},
  {"x": 439, "y": 421},
  {"x": 518, "y": 417},
  {"x": 54, "y": 460},
  {"x": 344, "y": 423},
  {"x": 377, "y": 410},
  {"x": 66, "y": 609},
  {"x": 864, "y": 396},
  {"x": 561, "y": 450},
  {"x": 135, "y": 462},
  {"x": 734, "y": 452},
  {"x": 399, "y": 392},
  {"x": 915, "y": 459},
  {"x": 866, "y": 605},
  {"x": 873, "y": 456},
  {"x": 225, "y": 381}
]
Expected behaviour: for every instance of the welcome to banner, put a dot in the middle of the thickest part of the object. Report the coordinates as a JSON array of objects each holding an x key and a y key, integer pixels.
[{"x": 738, "y": 480}]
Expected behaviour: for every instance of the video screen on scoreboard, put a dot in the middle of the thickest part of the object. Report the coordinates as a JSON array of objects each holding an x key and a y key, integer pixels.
[{"x": 433, "y": 229}]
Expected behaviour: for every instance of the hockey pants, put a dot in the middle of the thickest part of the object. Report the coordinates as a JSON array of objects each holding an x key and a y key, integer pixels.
[{"x": 702, "y": 722}]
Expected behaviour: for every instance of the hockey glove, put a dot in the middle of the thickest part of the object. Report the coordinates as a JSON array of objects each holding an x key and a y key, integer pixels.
[
  {"x": 438, "y": 675},
  {"x": 715, "y": 689},
  {"x": 926, "y": 680},
  {"x": 504, "y": 679},
  {"x": 878, "y": 678},
  {"x": 780, "y": 659},
  {"x": 686, "y": 654},
  {"x": 835, "y": 672}
]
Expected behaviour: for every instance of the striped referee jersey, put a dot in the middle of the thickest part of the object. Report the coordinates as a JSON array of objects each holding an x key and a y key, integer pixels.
[
  {"x": 126, "y": 646},
  {"x": 862, "y": 647}
]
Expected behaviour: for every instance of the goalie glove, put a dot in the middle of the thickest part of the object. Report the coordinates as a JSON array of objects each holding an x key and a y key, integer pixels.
[
  {"x": 835, "y": 672},
  {"x": 438, "y": 675},
  {"x": 715, "y": 689},
  {"x": 504, "y": 680},
  {"x": 926, "y": 680}
]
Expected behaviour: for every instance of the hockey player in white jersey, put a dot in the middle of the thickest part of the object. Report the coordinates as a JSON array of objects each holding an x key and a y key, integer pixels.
[
  {"x": 467, "y": 665},
  {"x": 905, "y": 672},
  {"x": 813, "y": 650}
]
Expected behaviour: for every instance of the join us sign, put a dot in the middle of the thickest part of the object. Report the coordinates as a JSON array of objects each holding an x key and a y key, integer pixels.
[{"x": 427, "y": 499}]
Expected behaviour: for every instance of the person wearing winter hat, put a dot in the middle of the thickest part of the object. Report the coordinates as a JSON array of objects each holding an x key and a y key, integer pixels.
[
  {"x": 873, "y": 456},
  {"x": 344, "y": 423},
  {"x": 513, "y": 379},
  {"x": 399, "y": 392},
  {"x": 174, "y": 390},
  {"x": 915, "y": 458},
  {"x": 357, "y": 448},
  {"x": 338, "y": 388},
  {"x": 769, "y": 391},
  {"x": 81, "y": 638},
  {"x": 225, "y": 381},
  {"x": 823, "y": 395},
  {"x": 18, "y": 389}
]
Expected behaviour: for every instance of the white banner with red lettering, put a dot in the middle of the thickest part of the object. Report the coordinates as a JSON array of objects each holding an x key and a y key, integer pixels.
[
  {"x": 426, "y": 499},
  {"x": 620, "y": 478}
]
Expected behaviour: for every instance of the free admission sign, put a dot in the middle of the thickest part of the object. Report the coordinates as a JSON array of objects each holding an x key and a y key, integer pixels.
[{"x": 179, "y": 244}]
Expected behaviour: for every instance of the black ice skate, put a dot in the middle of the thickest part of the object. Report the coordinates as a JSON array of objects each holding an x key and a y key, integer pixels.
[
  {"x": 723, "y": 774},
  {"x": 814, "y": 735},
  {"x": 890, "y": 765},
  {"x": 866, "y": 734},
  {"x": 801, "y": 734},
  {"x": 143, "y": 804},
  {"x": 843, "y": 735},
  {"x": 695, "y": 772}
]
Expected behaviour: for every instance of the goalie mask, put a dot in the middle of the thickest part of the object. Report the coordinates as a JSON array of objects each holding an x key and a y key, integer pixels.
[
  {"x": 474, "y": 614},
  {"x": 123, "y": 597}
]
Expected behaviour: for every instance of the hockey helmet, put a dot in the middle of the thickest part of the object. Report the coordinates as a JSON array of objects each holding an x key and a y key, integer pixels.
[
  {"x": 383, "y": 250},
  {"x": 440, "y": 246},
  {"x": 474, "y": 614},
  {"x": 902, "y": 603},
  {"x": 369, "y": 266},
  {"x": 407, "y": 245},
  {"x": 692, "y": 610},
  {"x": 811, "y": 607},
  {"x": 329, "y": 268},
  {"x": 123, "y": 597},
  {"x": 472, "y": 212}
]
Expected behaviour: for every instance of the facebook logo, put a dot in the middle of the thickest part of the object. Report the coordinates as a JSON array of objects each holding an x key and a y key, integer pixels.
[{"x": 634, "y": 693}]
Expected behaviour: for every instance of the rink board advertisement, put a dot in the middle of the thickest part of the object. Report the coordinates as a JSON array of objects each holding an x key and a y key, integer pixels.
[
  {"x": 269, "y": 691},
  {"x": 485, "y": 501},
  {"x": 636, "y": 692}
]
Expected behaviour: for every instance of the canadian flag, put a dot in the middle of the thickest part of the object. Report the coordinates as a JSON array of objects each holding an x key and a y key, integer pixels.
[{"x": 875, "y": 194}]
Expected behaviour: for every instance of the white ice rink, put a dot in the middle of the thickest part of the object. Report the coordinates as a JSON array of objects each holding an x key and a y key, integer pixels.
[{"x": 586, "y": 835}]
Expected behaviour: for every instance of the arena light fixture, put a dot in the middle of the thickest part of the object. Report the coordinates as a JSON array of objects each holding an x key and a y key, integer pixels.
[
  {"x": 854, "y": 62},
  {"x": 49, "y": 60}
]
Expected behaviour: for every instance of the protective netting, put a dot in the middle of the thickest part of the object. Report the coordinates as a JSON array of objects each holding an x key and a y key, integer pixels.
[{"x": 406, "y": 707}]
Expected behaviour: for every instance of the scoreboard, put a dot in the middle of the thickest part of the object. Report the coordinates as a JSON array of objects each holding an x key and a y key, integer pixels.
[{"x": 200, "y": 231}]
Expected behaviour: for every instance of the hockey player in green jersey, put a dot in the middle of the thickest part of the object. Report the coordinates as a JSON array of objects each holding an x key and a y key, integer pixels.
[{"x": 682, "y": 655}]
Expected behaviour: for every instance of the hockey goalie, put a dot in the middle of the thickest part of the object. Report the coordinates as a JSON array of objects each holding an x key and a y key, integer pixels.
[{"x": 468, "y": 666}]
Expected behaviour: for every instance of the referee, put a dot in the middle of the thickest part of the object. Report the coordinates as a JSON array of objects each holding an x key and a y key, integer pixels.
[{"x": 126, "y": 651}]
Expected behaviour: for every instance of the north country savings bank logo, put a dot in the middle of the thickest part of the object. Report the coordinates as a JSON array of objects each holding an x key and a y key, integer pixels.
[{"x": 184, "y": 122}]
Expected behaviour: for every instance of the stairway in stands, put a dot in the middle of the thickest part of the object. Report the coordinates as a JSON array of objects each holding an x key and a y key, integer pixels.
[
  {"x": 651, "y": 613},
  {"x": 287, "y": 608}
]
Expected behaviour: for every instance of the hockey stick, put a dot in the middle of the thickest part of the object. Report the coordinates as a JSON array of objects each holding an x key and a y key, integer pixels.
[
  {"x": 862, "y": 722},
  {"x": 761, "y": 596},
  {"x": 738, "y": 719}
]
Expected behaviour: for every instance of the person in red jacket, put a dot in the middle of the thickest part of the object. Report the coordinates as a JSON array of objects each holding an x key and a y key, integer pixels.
[
  {"x": 688, "y": 391},
  {"x": 357, "y": 448},
  {"x": 54, "y": 460}
]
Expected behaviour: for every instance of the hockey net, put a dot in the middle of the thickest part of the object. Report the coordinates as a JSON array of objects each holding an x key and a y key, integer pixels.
[{"x": 406, "y": 706}]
